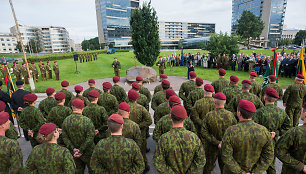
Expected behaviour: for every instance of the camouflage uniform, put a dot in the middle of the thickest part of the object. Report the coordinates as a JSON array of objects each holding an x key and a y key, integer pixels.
[
  {"x": 164, "y": 125},
  {"x": 293, "y": 97},
  {"x": 162, "y": 110},
  {"x": 200, "y": 109},
  {"x": 49, "y": 70},
  {"x": 98, "y": 116},
  {"x": 86, "y": 101},
  {"x": 120, "y": 155},
  {"x": 25, "y": 74},
  {"x": 46, "y": 105},
  {"x": 17, "y": 73},
  {"x": 43, "y": 73},
  {"x": 117, "y": 66},
  {"x": 213, "y": 129},
  {"x": 247, "y": 147},
  {"x": 143, "y": 101},
  {"x": 275, "y": 120},
  {"x": 68, "y": 96},
  {"x": 158, "y": 99},
  {"x": 11, "y": 132},
  {"x": 256, "y": 88},
  {"x": 10, "y": 156},
  {"x": 56, "y": 71},
  {"x": 220, "y": 84},
  {"x": 185, "y": 89},
  {"x": 161, "y": 67},
  {"x": 31, "y": 119},
  {"x": 109, "y": 102},
  {"x": 79, "y": 133},
  {"x": 230, "y": 92},
  {"x": 119, "y": 93},
  {"x": 290, "y": 149},
  {"x": 35, "y": 72},
  {"x": 143, "y": 90},
  {"x": 50, "y": 158},
  {"x": 159, "y": 88},
  {"x": 85, "y": 93},
  {"x": 194, "y": 96},
  {"x": 274, "y": 86},
  {"x": 179, "y": 151}
]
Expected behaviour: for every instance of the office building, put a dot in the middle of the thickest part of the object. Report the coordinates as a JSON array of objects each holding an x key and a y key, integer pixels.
[
  {"x": 8, "y": 43},
  {"x": 289, "y": 34}
]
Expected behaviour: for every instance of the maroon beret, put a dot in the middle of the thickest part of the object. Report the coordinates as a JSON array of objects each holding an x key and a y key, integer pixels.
[
  {"x": 78, "y": 103},
  {"x": 91, "y": 81},
  {"x": 32, "y": 63},
  {"x": 65, "y": 83},
  {"x": 175, "y": 99},
  {"x": 2, "y": 106},
  {"x": 116, "y": 79},
  {"x": 47, "y": 128},
  {"x": 247, "y": 105},
  {"x": 133, "y": 95},
  {"x": 200, "y": 80},
  {"x": 135, "y": 86},
  {"x": 124, "y": 106},
  {"x": 246, "y": 81},
  {"x": 30, "y": 97},
  {"x": 47, "y": 61},
  {"x": 163, "y": 76},
  {"x": 43, "y": 64},
  {"x": 170, "y": 92},
  {"x": 116, "y": 118},
  {"x": 94, "y": 93},
  {"x": 300, "y": 76},
  {"x": 272, "y": 77},
  {"x": 55, "y": 61},
  {"x": 50, "y": 91},
  {"x": 234, "y": 78},
  {"x": 272, "y": 92},
  {"x": 192, "y": 74},
  {"x": 107, "y": 85},
  {"x": 179, "y": 111},
  {"x": 139, "y": 78},
  {"x": 222, "y": 72},
  {"x": 304, "y": 105},
  {"x": 59, "y": 96},
  {"x": 220, "y": 96},
  {"x": 209, "y": 88},
  {"x": 23, "y": 63},
  {"x": 253, "y": 74},
  {"x": 166, "y": 82},
  {"x": 78, "y": 88},
  {"x": 4, "y": 117}
]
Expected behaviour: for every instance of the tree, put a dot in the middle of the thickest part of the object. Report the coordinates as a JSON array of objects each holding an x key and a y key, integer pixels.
[
  {"x": 18, "y": 46},
  {"x": 180, "y": 45},
  {"x": 33, "y": 46},
  {"x": 300, "y": 37},
  {"x": 144, "y": 33},
  {"x": 111, "y": 45},
  {"x": 91, "y": 44},
  {"x": 249, "y": 26},
  {"x": 285, "y": 42},
  {"x": 222, "y": 44},
  {"x": 201, "y": 45}
]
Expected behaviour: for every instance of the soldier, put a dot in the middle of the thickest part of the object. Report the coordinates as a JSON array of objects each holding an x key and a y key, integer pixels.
[
  {"x": 290, "y": 148},
  {"x": 247, "y": 147},
  {"x": 19, "y": 69},
  {"x": 221, "y": 83},
  {"x": 97, "y": 114},
  {"x": 143, "y": 90},
  {"x": 161, "y": 66},
  {"x": 5, "y": 97},
  {"x": 273, "y": 118},
  {"x": 164, "y": 108},
  {"x": 246, "y": 95},
  {"x": 79, "y": 90},
  {"x": 213, "y": 129},
  {"x": 11, "y": 157},
  {"x": 233, "y": 89},
  {"x": 256, "y": 88},
  {"x": 164, "y": 124},
  {"x": 34, "y": 71},
  {"x": 81, "y": 57},
  {"x": 48, "y": 103},
  {"x": 56, "y": 70},
  {"x": 107, "y": 100},
  {"x": 274, "y": 85},
  {"x": 11, "y": 132},
  {"x": 293, "y": 99},
  {"x": 40, "y": 64},
  {"x": 91, "y": 84},
  {"x": 142, "y": 99},
  {"x": 67, "y": 93},
  {"x": 16, "y": 72},
  {"x": 160, "y": 96},
  {"x": 159, "y": 87},
  {"x": 202, "y": 107},
  {"x": 31, "y": 118},
  {"x": 117, "y": 66},
  {"x": 43, "y": 72},
  {"x": 186, "y": 88},
  {"x": 118, "y": 91},
  {"x": 117, "y": 151},
  {"x": 25, "y": 73},
  {"x": 49, "y": 157},
  {"x": 179, "y": 150},
  {"x": 195, "y": 94},
  {"x": 49, "y": 70}
]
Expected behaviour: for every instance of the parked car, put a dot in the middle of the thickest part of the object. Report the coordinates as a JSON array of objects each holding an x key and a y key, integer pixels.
[
  {"x": 6, "y": 60},
  {"x": 111, "y": 51}
]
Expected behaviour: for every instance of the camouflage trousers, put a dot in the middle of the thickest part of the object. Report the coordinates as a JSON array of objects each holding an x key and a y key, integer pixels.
[
  {"x": 117, "y": 73},
  {"x": 287, "y": 169},
  {"x": 50, "y": 74},
  {"x": 271, "y": 169},
  {"x": 57, "y": 76},
  {"x": 84, "y": 161},
  {"x": 294, "y": 114},
  {"x": 212, "y": 153},
  {"x": 161, "y": 71},
  {"x": 143, "y": 148}
]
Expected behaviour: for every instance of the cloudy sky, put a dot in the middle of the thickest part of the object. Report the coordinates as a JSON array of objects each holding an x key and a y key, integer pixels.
[{"x": 79, "y": 16}]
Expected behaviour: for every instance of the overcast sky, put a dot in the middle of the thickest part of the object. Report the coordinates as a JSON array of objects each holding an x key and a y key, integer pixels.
[{"x": 79, "y": 16}]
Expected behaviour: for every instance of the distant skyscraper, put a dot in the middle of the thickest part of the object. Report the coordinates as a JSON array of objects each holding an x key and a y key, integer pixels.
[
  {"x": 272, "y": 12},
  {"x": 113, "y": 21}
]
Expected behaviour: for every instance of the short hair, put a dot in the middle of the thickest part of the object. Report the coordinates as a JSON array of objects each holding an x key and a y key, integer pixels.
[
  {"x": 50, "y": 94},
  {"x": 28, "y": 103},
  {"x": 105, "y": 89},
  {"x": 135, "y": 89},
  {"x": 199, "y": 83},
  {"x": 90, "y": 98},
  {"x": 59, "y": 101},
  {"x": 192, "y": 77},
  {"x": 168, "y": 96},
  {"x": 270, "y": 99},
  {"x": 176, "y": 119},
  {"x": 273, "y": 80},
  {"x": 246, "y": 86},
  {"x": 252, "y": 77},
  {"x": 45, "y": 138},
  {"x": 171, "y": 103},
  {"x": 113, "y": 126},
  {"x": 244, "y": 113},
  {"x": 122, "y": 112},
  {"x": 208, "y": 92},
  {"x": 299, "y": 80},
  {"x": 165, "y": 87},
  {"x": 19, "y": 86},
  {"x": 220, "y": 102}
]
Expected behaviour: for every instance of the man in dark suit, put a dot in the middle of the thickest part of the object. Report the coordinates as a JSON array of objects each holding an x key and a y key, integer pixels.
[{"x": 6, "y": 99}]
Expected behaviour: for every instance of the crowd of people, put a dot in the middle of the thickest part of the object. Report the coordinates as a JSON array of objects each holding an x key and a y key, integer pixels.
[{"x": 106, "y": 131}]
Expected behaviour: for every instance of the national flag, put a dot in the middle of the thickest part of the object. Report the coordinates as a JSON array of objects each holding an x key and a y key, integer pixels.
[
  {"x": 266, "y": 76},
  {"x": 274, "y": 67},
  {"x": 301, "y": 66}
]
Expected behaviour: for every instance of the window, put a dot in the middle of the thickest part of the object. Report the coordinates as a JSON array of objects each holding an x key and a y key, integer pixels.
[
  {"x": 2, "y": 39},
  {"x": 3, "y": 44},
  {"x": 8, "y": 44},
  {"x": 7, "y": 39}
]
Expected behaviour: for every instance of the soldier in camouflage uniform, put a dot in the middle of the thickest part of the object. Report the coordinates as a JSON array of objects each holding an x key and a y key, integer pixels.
[
  {"x": 107, "y": 100},
  {"x": 213, "y": 129},
  {"x": 34, "y": 71},
  {"x": 79, "y": 91},
  {"x": 56, "y": 70},
  {"x": 25, "y": 73},
  {"x": 159, "y": 87},
  {"x": 11, "y": 132},
  {"x": 31, "y": 118},
  {"x": 43, "y": 72},
  {"x": 247, "y": 147},
  {"x": 91, "y": 84},
  {"x": 142, "y": 99},
  {"x": 67, "y": 93},
  {"x": 78, "y": 135},
  {"x": 274, "y": 85},
  {"x": 120, "y": 154},
  {"x": 49, "y": 157},
  {"x": 256, "y": 88},
  {"x": 164, "y": 108},
  {"x": 48, "y": 103},
  {"x": 186, "y": 88},
  {"x": 16, "y": 72},
  {"x": 233, "y": 89},
  {"x": 49, "y": 70},
  {"x": 97, "y": 114},
  {"x": 161, "y": 66},
  {"x": 179, "y": 150},
  {"x": 221, "y": 83},
  {"x": 40, "y": 64},
  {"x": 117, "y": 66},
  {"x": 291, "y": 147},
  {"x": 273, "y": 118},
  {"x": 118, "y": 91},
  {"x": 195, "y": 94},
  {"x": 160, "y": 97},
  {"x": 293, "y": 99},
  {"x": 143, "y": 90},
  {"x": 202, "y": 107},
  {"x": 11, "y": 156}
]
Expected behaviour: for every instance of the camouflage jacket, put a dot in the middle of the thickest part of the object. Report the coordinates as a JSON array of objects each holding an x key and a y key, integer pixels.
[
  {"x": 165, "y": 125},
  {"x": 186, "y": 88},
  {"x": 159, "y": 88},
  {"x": 200, "y": 109},
  {"x": 256, "y": 89},
  {"x": 58, "y": 114},
  {"x": 11, "y": 132},
  {"x": 179, "y": 151},
  {"x": 50, "y": 158},
  {"x": 247, "y": 147},
  {"x": 290, "y": 149},
  {"x": 140, "y": 115},
  {"x": 56, "y": 69},
  {"x": 194, "y": 96},
  {"x": 46, "y": 105},
  {"x": 119, "y": 93},
  {"x": 274, "y": 86},
  {"x": 143, "y": 90},
  {"x": 68, "y": 96},
  {"x": 109, "y": 102},
  {"x": 31, "y": 119},
  {"x": 85, "y": 93},
  {"x": 11, "y": 159},
  {"x": 86, "y": 101},
  {"x": 162, "y": 110},
  {"x": 116, "y": 65},
  {"x": 120, "y": 155},
  {"x": 143, "y": 101},
  {"x": 220, "y": 84},
  {"x": 230, "y": 93},
  {"x": 294, "y": 95},
  {"x": 158, "y": 98},
  {"x": 48, "y": 67}
]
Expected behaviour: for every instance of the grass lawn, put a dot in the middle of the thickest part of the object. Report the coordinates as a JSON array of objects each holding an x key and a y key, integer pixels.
[{"x": 102, "y": 69}]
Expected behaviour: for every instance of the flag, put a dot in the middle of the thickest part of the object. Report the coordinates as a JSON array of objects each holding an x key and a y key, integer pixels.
[
  {"x": 301, "y": 66},
  {"x": 266, "y": 76},
  {"x": 274, "y": 67}
]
